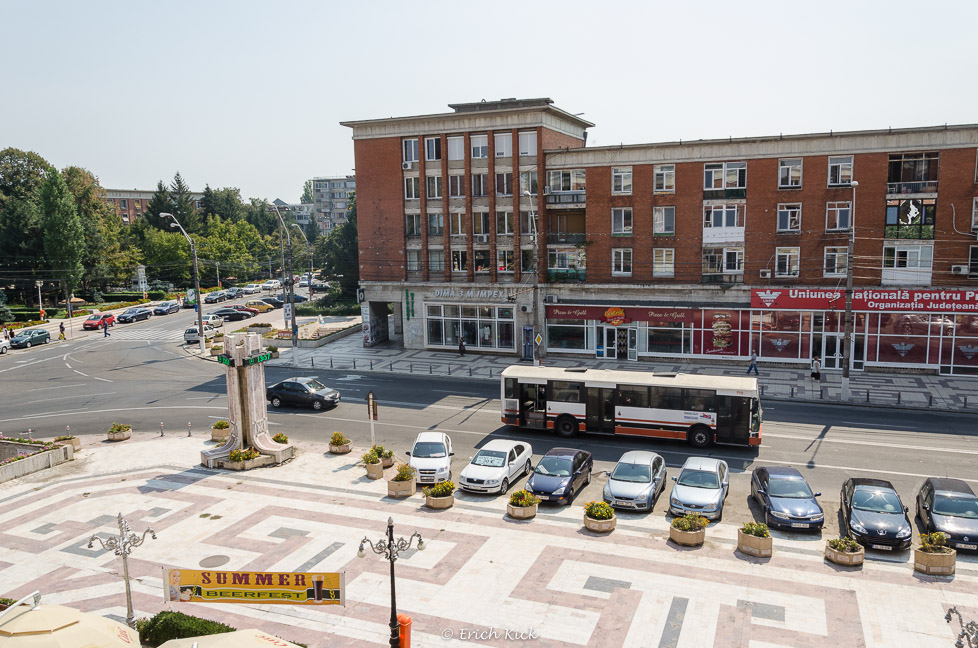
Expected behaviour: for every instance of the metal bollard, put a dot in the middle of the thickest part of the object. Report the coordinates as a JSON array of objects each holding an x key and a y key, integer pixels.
[
  {"x": 792, "y": 391},
  {"x": 188, "y": 428},
  {"x": 449, "y": 370},
  {"x": 330, "y": 362},
  {"x": 412, "y": 368},
  {"x": 392, "y": 365},
  {"x": 371, "y": 365},
  {"x": 429, "y": 368},
  {"x": 762, "y": 390},
  {"x": 354, "y": 363},
  {"x": 966, "y": 401},
  {"x": 821, "y": 393},
  {"x": 30, "y": 433},
  {"x": 930, "y": 399},
  {"x": 312, "y": 361},
  {"x": 490, "y": 372},
  {"x": 161, "y": 429},
  {"x": 470, "y": 372},
  {"x": 867, "y": 395},
  {"x": 899, "y": 394}
]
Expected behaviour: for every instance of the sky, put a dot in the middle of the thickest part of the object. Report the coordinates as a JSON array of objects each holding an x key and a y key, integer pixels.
[{"x": 250, "y": 94}]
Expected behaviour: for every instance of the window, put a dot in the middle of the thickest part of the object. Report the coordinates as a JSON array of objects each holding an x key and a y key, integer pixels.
[
  {"x": 836, "y": 261},
  {"x": 621, "y": 222},
  {"x": 458, "y": 261},
  {"x": 503, "y": 143},
  {"x": 566, "y": 180},
  {"x": 974, "y": 214},
  {"x": 663, "y": 262},
  {"x": 457, "y": 224},
  {"x": 480, "y": 146},
  {"x": 663, "y": 221},
  {"x": 565, "y": 259},
  {"x": 528, "y": 144},
  {"x": 908, "y": 256},
  {"x": 504, "y": 260},
  {"x": 456, "y": 186},
  {"x": 504, "y": 222},
  {"x": 723, "y": 261},
  {"x": 412, "y": 188},
  {"x": 621, "y": 180},
  {"x": 432, "y": 149},
  {"x": 789, "y": 217},
  {"x": 973, "y": 260},
  {"x": 840, "y": 171},
  {"x": 480, "y": 223},
  {"x": 481, "y": 258},
  {"x": 433, "y": 186},
  {"x": 912, "y": 173},
  {"x": 725, "y": 175},
  {"x": 410, "y": 150},
  {"x": 723, "y": 215},
  {"x": 436, "y": 225},
  {"x": 789, "y": 173},
  {"x": 528, "y": 182},
  {"x": 633, "y": 396},
  {"x": 621, "y": 261},
  {"x": 504, "y": 184},
  {"x": 837, "y": 216},
  {"x": 733, "y": 261},
  {"x": 124, "y": 203},
  {"x": 413, "y": 260},
  {"x": 456, "y": 148},
  {"x": 528, "y": 223},
  {"x": 787, "y": 261},
  {"x": 665, "y": 178},
  {"x": 436, "y": 260},
  {"x": 910, "y": 218},
  {"x": 480, "y": 185},
  {"x": 413, "y": 224}
]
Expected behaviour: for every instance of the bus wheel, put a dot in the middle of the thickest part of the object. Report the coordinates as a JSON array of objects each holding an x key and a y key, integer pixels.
[
  {"x": 567, "y": 426},
  {"x": 700, "y": 437}
]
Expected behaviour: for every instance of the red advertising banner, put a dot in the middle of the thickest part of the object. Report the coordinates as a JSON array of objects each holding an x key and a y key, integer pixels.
[
  {"x": 615, "y": 315},
  {"x": 871, "y": 299}
]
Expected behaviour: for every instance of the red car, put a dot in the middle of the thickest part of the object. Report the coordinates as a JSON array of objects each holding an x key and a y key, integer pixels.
[
  {"x": 241, "y": 307},
  {"x": 95, "y": 321}
]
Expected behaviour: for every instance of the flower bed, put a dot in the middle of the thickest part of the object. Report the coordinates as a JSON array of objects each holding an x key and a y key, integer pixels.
[
  {"x": 754, "y": 539},
  {"x": 440, "y": 496},
  {"x": 688, "y": 530},
  {"x": 119, "y": 432},
  {"x": 20, "y": 457},
  {"x": 522, "y": 505},
  {"x": 599, "y": 517},
  {"x": 374, "y": 468}
]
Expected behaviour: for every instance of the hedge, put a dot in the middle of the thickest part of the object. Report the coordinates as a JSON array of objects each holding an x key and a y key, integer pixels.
[
  {"x": 339, "y": 309},
  {"x": 153, "y": 295},
  {"x": 175, "y": 625}
]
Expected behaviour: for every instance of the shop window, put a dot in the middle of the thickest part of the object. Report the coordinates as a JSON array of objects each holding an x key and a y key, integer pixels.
[
  {"x": 789, "y": 173},
  {"x": 910, "y": 219},
  {"x": 840, "y": 171},
  {"x": 436, "y": 332},
  {"x": 665, "y": 178},
  {"x": 789, "y": 217},
  {"x": 673, "y": 338},
  {"x": 621, "y": 180},
  {"x": 567, "y": 336}
]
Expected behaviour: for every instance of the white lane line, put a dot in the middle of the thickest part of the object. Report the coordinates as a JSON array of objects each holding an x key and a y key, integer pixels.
[
  {"x": 102, "y": 379},
  {"x": 886, "y": 444},
  {"x": 80, "y": 373},
  {"x": 68, "y": 365},
  {"x": 47, "y": 400},
  {"x": 74, "y": 412}
]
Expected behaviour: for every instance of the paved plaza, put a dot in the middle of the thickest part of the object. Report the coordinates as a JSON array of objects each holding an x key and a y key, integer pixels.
[{"x": 481, "y": 575}]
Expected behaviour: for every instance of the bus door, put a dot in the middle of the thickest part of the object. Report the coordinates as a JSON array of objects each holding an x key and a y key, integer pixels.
[
  {"x": 600, "y": 410},
  {"x": 533, "y": 406},
  {"x": 733, "y": 419}
]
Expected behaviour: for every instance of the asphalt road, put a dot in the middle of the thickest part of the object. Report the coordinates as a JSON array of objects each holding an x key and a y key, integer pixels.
[{"x": 142, "y": 375}]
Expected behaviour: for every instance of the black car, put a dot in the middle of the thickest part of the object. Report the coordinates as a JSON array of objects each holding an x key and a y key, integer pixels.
[
  {"x": 233, "y": 293},
  {"x": 134, "y": 315},
  {"x": 214, "y": 297},
  {"x": 949, "y": 506},
  {"x": 305, "y": 392},
  {"x": 786, "y": 499},
  {"x": 167, "y": 307},
  {"x": 560, "y": 474},
  {"x": 231, "y": 314},
  {"x": 298, "y": 298},
  {"x": 274, "y": 302},
  {"x": 873, "y": 514}
]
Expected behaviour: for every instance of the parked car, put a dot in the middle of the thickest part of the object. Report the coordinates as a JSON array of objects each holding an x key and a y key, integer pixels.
[
  {"x": 167, "y": 307},
  {"x": 231, "y": 314},
  {"x": 251, "y": 289},
  {"x": 259, "y": 305},
  {"x": 274, "y": 302},
  {"x": 234, "y": 293},
  {"x": 303, "y": 391},
  {"x": 431, "y": 456},
  {"x": 216, "y": 321},
  {"x": 94, "y": 322},
  {"x": 701, "y": 488},
  {"x": 949, "y": 506},
  {"x": 272, "y": 284},
  {"x": 134, "y": 315},
  {"x": 4, "y": 345},
  {"x": 874, "y": 515},
  {"x": 215, "y": 297},
  {"x": 298, "y": 298},
  {"x": 786, "y": 498},
  {"x": 30, "y": 337},
  {"x": 560, "y": 474},
  {"x": 190, "y": 336},
  {"x": 304, "y": 283},
  {"x": 495, "y": 466},
  {"x": 244, "y": 309},
  {"x": 636, "y": 481}
]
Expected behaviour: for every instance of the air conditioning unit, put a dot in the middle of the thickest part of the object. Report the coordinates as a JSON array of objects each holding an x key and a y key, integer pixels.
[
  {"x": 959, "y": 269},
  {"x": 407, "y": 166},
  {"x": 527, "y": 308},
  {"x": 481, "y": 238},
  {"x": 550, "y": 299},
  {"x": 765, "y": 274}
]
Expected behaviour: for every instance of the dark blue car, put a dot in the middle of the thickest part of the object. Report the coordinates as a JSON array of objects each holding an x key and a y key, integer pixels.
[
  {"x": 560, "y": 474},
  {"x": 786, "y": 499}
]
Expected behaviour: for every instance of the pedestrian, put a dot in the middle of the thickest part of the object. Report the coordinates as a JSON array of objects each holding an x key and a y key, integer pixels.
[
  {"x": 105, "y": 327},
  {"x": 61, "y": 331},
  {"x": 753, "y": 363},
  {"x": 461, "y": 347},
  {"x": 816, "y": 369}
]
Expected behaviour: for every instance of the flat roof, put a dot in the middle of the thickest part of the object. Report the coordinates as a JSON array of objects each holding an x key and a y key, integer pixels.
[
  {"x": 490, "y": 108},
  {"x": 619, "y": 377}
]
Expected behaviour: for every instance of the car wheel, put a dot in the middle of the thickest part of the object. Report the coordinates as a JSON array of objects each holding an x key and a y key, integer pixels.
[
  {"x": 276, "y": 402},
  {"x": 504, "y": 487},
  {"x": 527, "y": 468},
  {"x": 587, "y": 481},
  {"x": 3, "y": 350},
  {"x": 317, "y": 405},
  {"x": 567, "y": 426},
  {"x": 700, "y": 437},
  {"x": 27, "y": 345},
  {"x": 46, "y": 340}
]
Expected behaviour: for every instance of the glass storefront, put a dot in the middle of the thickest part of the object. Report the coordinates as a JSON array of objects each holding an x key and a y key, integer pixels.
[{"x": 484, "y": 327}]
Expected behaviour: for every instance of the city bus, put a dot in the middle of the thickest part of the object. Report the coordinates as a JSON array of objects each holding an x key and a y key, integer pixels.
[{"x": 701, "y": 410}]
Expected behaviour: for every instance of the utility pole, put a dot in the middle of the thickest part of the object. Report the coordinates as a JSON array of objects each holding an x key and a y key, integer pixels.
[
  {"x": 198, "y": 302},
  {"x": 218, "y": 273},
  {"x": 847, "y": 337},
  {"x": 288, "y": 285}
]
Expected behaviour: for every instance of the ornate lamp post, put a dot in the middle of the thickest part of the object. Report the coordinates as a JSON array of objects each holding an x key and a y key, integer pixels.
[
  {"x": 969, "y": 630},
  {"x": 123, "y": 546},
  {"x": 391, "y": 549}
]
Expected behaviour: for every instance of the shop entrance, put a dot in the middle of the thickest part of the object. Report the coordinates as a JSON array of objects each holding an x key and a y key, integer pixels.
[
  {"x": 833, "y": 345},
  {"x": 620, "y": 342}
]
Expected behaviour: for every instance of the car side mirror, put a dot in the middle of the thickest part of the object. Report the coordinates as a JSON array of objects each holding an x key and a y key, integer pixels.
[
  {"x": 451, "y": 454},
  {"x": 818, "y": 494},
  {"x": 407, "y": 452},
  {"x": 673, "y": 478},
  {"x": 926, "y": 507},
  {"x": 906, "y": 509},
  {"x": 470, "y": 458},
  {"x": 607, "y": 473}
]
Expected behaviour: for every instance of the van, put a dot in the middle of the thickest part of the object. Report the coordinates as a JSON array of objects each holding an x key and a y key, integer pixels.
[{"x": 190, "y": 335}]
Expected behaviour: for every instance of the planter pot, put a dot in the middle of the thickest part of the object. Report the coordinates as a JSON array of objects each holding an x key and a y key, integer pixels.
[
  {"x": 754, "y": 546},
  {"x": 75, "y": 443},
  {"x": 439, "y": 502},
  {"x": 401, "y": 488},
  {"x": 387, "y": 462},
  {"x": 843, "y": 558},
  {"x": 600, "y": 526},
  {"x": 934, "y": 564},
  {"x": 216, "y": 351},
  {"x": 521, "y": 512},
  {"x": 341, "y": 449},
  {"x": 375, "y": 471},
  {"x": 274, "y": 354},
  {"x": 687, "y": 538},
  {"x": 244, "y": 465},
  {"x": 120, "y": 436},
  {"x": 220, "y": 435}
]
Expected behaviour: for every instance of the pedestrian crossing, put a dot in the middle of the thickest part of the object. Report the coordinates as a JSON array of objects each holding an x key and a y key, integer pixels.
[{"x": 151, "y": 334}]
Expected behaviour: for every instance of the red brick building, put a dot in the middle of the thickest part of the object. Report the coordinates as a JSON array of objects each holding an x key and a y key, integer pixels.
[
  {"x": 497, "y": 224},
  {"x": 131, "y": 204}
]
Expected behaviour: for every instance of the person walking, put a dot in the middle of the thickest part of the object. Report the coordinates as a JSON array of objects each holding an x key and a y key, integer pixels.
[
  {"x": 753, "y": 364},
  {"x": 461, "y": 347},
  {"x": 105, "y": 327},
  {"x": 816, "y": 369},
  {"x": 61, "y": 331}
]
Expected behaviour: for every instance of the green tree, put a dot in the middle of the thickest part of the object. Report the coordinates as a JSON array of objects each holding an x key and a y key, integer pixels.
[
  {"x": 64, "y": 236},
  {"x": 21, "y": 174},
  {"x": 183, "y": 204},
  {"x": 225, "y": 203},
  {"x": 166, "y": 256},
  {"x": 160, "y": 203},
  {"x": 261, "y": 216},
  {"x": 5, "y": 314},
  {"x": 21, "y": 244},
  {"x": 307, "y": 196},
  {"x": 340, "y": 253}
]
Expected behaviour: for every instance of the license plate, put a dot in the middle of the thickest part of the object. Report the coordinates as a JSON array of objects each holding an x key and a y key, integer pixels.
[
  {"x": 799, "y": 525},
  {"x": 883, "y": 547},
  {"x": 967, "y": 546},
  {"x": 621, "y": 503},
  {"x": 427, "y": 479}
]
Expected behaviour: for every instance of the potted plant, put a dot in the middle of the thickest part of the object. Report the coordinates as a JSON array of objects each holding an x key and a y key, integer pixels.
[
  {"x": 372, "y": 462},
  {"x": 280, "y": 438},
  {"x": 386, "y": 456},
  {"x": 933, "y": 556},
  {"x": 242, "y": 459},
  {"x": 522, "y": 505},
  {"x": 599, "y": 516},
  {"x": 754, "y": 539},
  {"x": 120, "y": 432},
  {"x": 220, "y": 430},
  {"x": 844, "y": 551},
  {"x": 69, "y": 439},
  {"x": 273, "y": 350},
  {"x": 339, "y": 444},
  {"x": 403, "y": 484},
  {"x": 439, "y": 496},
  {"x": 688, "y": 530}
]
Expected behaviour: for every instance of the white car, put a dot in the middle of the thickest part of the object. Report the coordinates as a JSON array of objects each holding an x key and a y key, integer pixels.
[
  {"x": 4, "y": 345},
  {"x": 431, "y": 456},
  {"x": 251, "y": 289},
  {"x": 190, "y": 336},
  {"x": 215, "y": 321},
  {"x": 497, "y": 465},
  {"x": 271, "y": 284}
]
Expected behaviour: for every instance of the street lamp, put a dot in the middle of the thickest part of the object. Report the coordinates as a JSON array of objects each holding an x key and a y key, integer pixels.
[
  {"x": 847, "y": 337},
  {"x": 289, "y": 284},
  {"x": 969, "y": 630},
  {"x": 391, "y": 550},
  {"x": 198, "y": 303},
  {"x": 122, "y": 545},
  {"x": 306, "y": 238}
]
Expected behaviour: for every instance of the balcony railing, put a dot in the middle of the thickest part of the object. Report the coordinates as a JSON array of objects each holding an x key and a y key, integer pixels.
[
  {"x": 567, "y": 198},
  {"x": 718, "y": 194},
  {"x": 571, "y": 238},
  {"x": 902, "y": 188},
  {"x": 567, "y": 275},
  {"x": 723, "y": 235},
  {"x": 722, "y": 278}
]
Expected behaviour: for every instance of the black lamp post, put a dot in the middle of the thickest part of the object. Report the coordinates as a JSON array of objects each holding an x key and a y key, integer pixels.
[{"x": 391, "y": 549}]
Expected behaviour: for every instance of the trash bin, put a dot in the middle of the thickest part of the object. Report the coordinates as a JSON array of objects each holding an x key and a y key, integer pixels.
[{"x": 404, "y": 630}]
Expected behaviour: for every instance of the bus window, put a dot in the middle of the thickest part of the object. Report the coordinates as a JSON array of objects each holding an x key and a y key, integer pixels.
[
  {"x": 511, "y": 389},
  {"x": 667, "y": 398},
  {"x": 700, "y": 400},
  {"x": 565, "y": 391},
  {"x": 633, "y": 396},
  {"x": 533, "y": 398}
]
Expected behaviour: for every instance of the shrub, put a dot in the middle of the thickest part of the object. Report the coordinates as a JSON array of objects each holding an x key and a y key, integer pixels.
[
  {"x": 405, "y": 472},
  {"x": 690, "y": 522},
  {"x": 338, "y": 439},
  {"x": 444, "y": 489},
  {"x": 169, "y": 625},
  {"x": 223, "y": 424},
  {"x": 244, "y": 455},
  {"x": 119, "y": 427},
  {"x": 383, "y": 452},
  {"x": 599, "y": 510},
  {"x": 934, "y": 542},
  {"x": 261, "y": 325},
  {"x": 280, "y": 438},
  {"x": 523, "y": 499},
  {"x": 756, "y": 529},
  {"x": 370, "y": 457},
  {"x": 845, "y": 544},
  {"x": 272, "y": 349}
]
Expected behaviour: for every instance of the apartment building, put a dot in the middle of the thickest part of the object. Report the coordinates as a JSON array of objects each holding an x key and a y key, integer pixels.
[
  {"x": 131, "y": 204},
  {"x": 330, "y": 196},
  {"x": 495, "y": 223}
]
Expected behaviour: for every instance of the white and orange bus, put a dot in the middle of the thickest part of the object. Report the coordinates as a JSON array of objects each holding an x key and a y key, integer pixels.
[{"x": 701, "y": 410}]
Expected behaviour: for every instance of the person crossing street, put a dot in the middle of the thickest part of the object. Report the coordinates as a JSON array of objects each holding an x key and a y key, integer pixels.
[
  {"x": 105, "y": 327},
  {"x": 61, "y": 331}
]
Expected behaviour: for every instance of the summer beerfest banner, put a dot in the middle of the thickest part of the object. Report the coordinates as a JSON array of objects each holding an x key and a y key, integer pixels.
[{"x": 309, "y": 588}]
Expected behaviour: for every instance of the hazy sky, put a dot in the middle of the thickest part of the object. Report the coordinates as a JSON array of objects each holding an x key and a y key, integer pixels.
[{"x": 249, "y": 94}]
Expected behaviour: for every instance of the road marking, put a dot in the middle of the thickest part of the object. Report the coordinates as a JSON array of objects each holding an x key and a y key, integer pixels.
[
  {"x": 45, "y": 400},
  {"x": 80, "y": 373},
  {"x": 887, "y": 444},
  {"x": 73, "y": 412},
  {"x": 102, "y": 379},
  {"x": 68, "y": 365}
]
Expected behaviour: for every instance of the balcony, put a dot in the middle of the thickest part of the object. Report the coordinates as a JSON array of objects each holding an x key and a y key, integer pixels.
[
  {"x": 904, "y": 188},
  {"x": 567, "y": 275},
  {"x": 722, "y": 278},
  {"x": 570, "y": 238},
  {"x": 574, "y": 199},
  {"x": 713, "y": 235},
  {"x": 723, "y": 194}
]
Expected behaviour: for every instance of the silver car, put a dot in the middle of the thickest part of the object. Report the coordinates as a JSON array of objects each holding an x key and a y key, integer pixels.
[
  {"x": 700, "y": 488},
  {"x": 636, "y": 481}
]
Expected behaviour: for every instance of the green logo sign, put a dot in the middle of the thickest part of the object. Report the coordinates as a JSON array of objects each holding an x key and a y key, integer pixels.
[
  {"x": 251, "y": 360},
  {"x": 225, "y": 360}
]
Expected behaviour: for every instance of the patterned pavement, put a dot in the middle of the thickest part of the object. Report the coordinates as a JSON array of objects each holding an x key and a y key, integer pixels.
[{"x": 482, "y": 575}]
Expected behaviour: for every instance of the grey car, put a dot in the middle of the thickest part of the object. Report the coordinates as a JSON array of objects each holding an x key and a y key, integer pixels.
[
  {"x": 701, "y": 488},
  {"x": 636, "y": 481}
]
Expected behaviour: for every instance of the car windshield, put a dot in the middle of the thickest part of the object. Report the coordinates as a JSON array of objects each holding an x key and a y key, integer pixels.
[
  {"x": 94, "y": 317},
  {"x": 962, "y": 507},
  {"x": 556, "y": 466},
  {"x": 699, "y": 479},
  {"x": 876, "y": 500},
  {"x": 314, "y": 385},
  {"x": 791, "y": 488},
  {"x": 490, "y": 458},
  {"x": 632, "y": 473},
  {"x": 429, "y": 450}
]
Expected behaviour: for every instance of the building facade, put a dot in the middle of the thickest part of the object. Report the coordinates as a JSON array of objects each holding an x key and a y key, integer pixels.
[
  {"x": 131, "y": 204},
  {"x": 496, "y": 224},
  {"x": 330, "y": 196}
]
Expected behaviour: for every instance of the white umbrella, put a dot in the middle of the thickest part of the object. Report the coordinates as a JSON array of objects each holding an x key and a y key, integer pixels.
[
  {"x": 237, "y": 639},
  {"x": 56, "y": 626}
]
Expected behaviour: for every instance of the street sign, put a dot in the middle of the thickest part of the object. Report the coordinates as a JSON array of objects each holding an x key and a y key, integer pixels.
[
  {"x": 538, "y": 339},
  {"x": 287, "y": 309}
]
